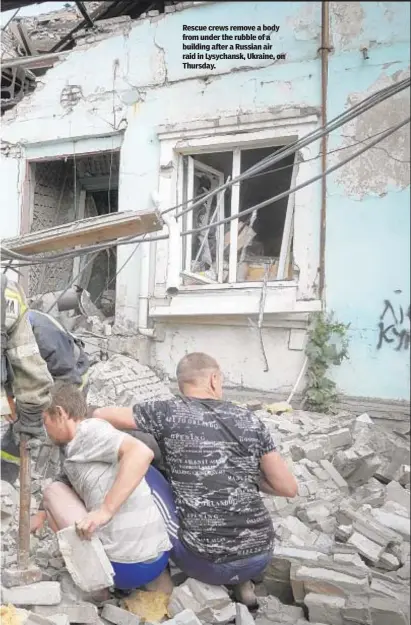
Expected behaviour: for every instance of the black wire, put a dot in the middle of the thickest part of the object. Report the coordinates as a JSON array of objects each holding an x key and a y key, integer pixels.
[
  {"x": 278, "y": 155},
  {"x": 29, "y": 261}
]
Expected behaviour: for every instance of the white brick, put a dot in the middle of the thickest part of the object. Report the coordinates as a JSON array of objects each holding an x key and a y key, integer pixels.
[
  {"x": 243, "y": 616},
  {"x": 42, "y": 593},
  {"x": 118, "y": 616},
  {"x": 325, "y": 608},
  {"x": 76, "y": 552},
  {"x": 366, "y": 547},
  {"x": 80, "y": 612},
  {"x": 209, "y": 596}
]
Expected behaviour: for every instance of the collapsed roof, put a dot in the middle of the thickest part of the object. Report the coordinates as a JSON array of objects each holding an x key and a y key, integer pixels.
[{"x": 26, "y": 41}]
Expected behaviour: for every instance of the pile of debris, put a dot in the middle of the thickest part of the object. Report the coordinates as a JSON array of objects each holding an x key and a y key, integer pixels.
[
  {"x": 342, "y": 550},
  {"x": 123, "y": 381}
]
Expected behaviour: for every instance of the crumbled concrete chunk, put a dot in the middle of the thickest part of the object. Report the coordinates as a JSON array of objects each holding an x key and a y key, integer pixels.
[
  {"x": 80, "y": 612},
  {"x": 366, "y": 547},
  {"x": 243, "y": 616},
  {"x": 41, "y": 593},
  {"x": 98, "y": 573},
  {"x": 394, "y": 492},
  {"x": 118, "y": 616},
  {"x": 325, "y": 608}
]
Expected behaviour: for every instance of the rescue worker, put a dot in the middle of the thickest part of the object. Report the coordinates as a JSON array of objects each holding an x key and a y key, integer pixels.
[
  {"x": 25, "y": 380},
  {"x": 63, "y": 352}
]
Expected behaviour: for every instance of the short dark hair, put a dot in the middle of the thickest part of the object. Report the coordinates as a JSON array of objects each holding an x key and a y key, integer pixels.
[
  {"x": 194, "y": 367},
  {"x": 70, "y": 398}
]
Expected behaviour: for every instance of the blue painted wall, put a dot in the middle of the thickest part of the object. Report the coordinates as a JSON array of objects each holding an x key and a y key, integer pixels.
[
  {"x": 368, "y": 210},
  {"x": 135, "y": 80}
]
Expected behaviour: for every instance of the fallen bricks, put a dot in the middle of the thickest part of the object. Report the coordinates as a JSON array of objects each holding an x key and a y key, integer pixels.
[
  {"x": 98, "y": 573},
  {"x": 342, "y": 551}
]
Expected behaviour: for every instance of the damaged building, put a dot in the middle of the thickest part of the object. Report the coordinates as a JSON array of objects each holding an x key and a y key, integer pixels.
[{"x": 100, "y": 116}]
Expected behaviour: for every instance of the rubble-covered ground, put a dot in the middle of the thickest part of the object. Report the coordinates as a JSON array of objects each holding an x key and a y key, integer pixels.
[{"x": 342, "y": 549}]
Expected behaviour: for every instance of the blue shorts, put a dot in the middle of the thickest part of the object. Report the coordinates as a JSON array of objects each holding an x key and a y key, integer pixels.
[
  {"x": 128, "y": 576},
  {"x": 225, "y": 573}
]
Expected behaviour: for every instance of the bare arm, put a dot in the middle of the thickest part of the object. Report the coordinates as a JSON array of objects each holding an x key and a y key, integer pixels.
[
  {"x": 134, "y": 461},
  {"x": 277, "y": 478},
  {"x": 120, "y": 418}
]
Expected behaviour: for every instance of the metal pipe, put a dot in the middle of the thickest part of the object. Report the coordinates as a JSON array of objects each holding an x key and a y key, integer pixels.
[{"x": 325, "y": 50}]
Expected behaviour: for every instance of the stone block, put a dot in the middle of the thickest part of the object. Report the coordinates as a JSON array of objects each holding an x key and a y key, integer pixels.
[
  {"x": 334, "y": 475},
  {"x": 79, "y": 612},
  {"x": 325, "y": 608},
  {"x": 340, "y": 438},
  {"x": 343, "y": 532},
  {"x": 366, "y": 547},
  {"x": 396, "y": 493},
  {"x": 350, "y": 559},
  {"x": 388, "y": 612},
  {"x": 388, "y": 562},
  {"x": 60, "y": 619},
  {"x": 243, "y": 616},
  {"x": 98, "y": 573},
  {"x": 389, "y": 588},
  {"x": 41, "y": 593},
  {"x": 118, "y": 616},
  {"x": 356, "y": 610},
  {"x": 207, "y": 595},
  {"x": 329, "y": 582},
  {"x": 372, "y": 493},
  {"x": 366, "y": 469},
  {"x": 369, "y": 527},
  {"x": 211, "y": 604},
  {"x": 398, "y": 524},
  {"x": 187, "y": 617},
  {"x": 314, "y": 450},
  {"x": 35, "y": 619}
]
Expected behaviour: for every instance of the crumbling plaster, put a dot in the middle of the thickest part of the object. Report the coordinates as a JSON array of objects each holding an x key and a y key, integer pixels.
[{"x": 134, "y": 82}]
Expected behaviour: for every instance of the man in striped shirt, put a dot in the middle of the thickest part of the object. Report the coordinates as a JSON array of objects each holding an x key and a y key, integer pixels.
[{"x": 103, "y": 490}]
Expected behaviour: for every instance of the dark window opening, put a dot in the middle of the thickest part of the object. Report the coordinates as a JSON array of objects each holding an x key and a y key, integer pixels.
[
  {"x": 65, "y": 190},
  {"x": 260, "y": 234}
]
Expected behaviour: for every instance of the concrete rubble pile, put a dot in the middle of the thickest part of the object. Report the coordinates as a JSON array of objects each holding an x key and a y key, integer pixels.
[
  {"x": 123, "y": 381},
  {"x": 342, "y": 549}
]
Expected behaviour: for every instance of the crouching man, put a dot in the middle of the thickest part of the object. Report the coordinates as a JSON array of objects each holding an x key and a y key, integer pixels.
[
  {"x": 106, "y": 470},
  {"x": 217, "y": 457}
]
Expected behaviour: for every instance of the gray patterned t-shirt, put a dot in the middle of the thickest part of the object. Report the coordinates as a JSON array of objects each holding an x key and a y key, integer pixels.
[{"x": 211, "y": 451}]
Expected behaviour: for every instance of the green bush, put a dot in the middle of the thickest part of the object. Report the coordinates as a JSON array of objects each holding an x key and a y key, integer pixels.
[{"x": 327, "y": 346}]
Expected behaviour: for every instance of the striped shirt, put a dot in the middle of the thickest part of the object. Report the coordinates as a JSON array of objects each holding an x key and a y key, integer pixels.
[{"x": 137, "y": 532}]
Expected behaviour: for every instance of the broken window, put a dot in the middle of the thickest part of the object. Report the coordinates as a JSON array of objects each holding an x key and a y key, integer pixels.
[
  {"x": 253, "y": 248},
  {"x": 65, "y": 190}
]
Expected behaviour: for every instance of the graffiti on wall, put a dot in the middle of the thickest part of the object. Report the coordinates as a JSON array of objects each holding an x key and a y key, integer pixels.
[{"x": 394, "y": 325}]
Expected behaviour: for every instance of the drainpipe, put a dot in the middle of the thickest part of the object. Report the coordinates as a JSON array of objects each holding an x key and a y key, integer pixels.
[{"x": 325, "y": 50}]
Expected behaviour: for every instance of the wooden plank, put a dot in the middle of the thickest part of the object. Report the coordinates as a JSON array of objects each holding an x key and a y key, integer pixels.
[
  {"x": 288, "y": 227},
  {"x": 189, "y": 216},
  {"x": 86, "y": 232}
]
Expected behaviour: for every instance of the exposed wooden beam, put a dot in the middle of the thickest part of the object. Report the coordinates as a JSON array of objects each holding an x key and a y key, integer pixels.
[
  {"x": 86, "y": 232},
  {"x": 19, "y": 31},
  {"x": 83, "y": 11},
  {"x": 98, "y": 14},
  {"x": 33, "y": 62}
]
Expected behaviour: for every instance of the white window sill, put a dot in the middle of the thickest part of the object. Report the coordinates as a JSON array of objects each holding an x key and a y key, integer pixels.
[{"x": 232, "y": 299}]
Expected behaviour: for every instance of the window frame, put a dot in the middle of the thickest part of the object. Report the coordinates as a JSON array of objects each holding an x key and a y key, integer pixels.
[{"x": 243, "y": 132}]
